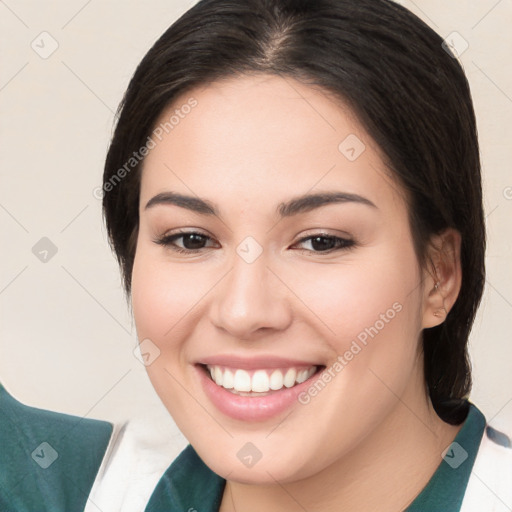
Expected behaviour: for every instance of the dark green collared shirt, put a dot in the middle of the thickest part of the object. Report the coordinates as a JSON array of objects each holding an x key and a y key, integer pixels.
[
  {"x": 188, "y": 484},
  {"x": 48, "y": 460}
]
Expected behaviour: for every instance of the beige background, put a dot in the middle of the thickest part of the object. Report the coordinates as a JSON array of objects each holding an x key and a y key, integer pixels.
[{"x": 66, "y": 336}]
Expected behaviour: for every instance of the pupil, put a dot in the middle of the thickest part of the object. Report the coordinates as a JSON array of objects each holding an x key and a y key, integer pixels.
[
  {"x": 194, "y": 240},
  {"x": 322, "y": 243}
]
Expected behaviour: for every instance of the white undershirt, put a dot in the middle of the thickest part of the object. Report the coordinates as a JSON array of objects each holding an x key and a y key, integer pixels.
[{"x": 136, "y": 458}]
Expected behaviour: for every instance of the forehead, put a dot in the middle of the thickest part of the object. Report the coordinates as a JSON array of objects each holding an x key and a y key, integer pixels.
[{"x": 263, "y": 133}]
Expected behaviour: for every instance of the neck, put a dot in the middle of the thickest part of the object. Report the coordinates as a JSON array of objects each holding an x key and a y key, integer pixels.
[{"x": 385, "y": 472}]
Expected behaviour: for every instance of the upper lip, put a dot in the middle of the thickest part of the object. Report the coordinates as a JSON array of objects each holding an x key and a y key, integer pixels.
[{"x": 255, "y": 362}]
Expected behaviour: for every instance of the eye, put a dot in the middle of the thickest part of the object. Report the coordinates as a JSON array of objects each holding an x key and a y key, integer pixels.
[
  {"x": 191, "y": 241},
  {"x": 322, "y": 242}
]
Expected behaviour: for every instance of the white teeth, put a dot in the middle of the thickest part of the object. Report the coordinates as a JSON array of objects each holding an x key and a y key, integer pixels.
[
  {"x": 217, "y": 376},
  {"x": 228, "y": 380},
  {"x": 259, "y": 381},
  {"x": 242, "y": 381},
  {"x": 289, "y": 378},
  {"x": 302, "y": 376},
  {"x": 276, "y": 380}
]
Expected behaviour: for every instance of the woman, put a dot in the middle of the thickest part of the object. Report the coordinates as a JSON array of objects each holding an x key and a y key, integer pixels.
[{"x": 293, "y": 193}]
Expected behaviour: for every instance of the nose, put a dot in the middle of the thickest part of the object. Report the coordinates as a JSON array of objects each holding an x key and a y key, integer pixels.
[{"x": 250, "y": 301}]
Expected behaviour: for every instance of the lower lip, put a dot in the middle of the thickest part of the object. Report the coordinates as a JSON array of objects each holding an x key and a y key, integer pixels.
[{"x": 251, "y": 408}]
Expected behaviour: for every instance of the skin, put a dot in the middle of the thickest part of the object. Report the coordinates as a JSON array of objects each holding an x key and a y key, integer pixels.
[{"x": 371, "y": 438}]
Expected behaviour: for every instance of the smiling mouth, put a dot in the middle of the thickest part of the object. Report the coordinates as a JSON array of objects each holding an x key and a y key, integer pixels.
[{"x": 259, "y": 382}]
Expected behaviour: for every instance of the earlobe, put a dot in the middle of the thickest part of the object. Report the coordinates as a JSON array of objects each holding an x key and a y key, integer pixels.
[{"x": 443, "y": 281}]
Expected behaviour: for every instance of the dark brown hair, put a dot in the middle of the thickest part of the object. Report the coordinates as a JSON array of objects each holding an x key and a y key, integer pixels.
[{"x": 409, "y": 93}]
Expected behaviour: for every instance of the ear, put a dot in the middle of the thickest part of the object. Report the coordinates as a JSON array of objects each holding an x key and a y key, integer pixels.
[{"x": 443, "y": 278}]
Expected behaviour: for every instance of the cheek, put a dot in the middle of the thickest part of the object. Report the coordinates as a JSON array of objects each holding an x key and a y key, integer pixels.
[
  {"x": 162, "y": 303},
  {"x": 369, "y": 314},
  {"x": 164, "y": 296},
  {"x": 359, "y": 299}
]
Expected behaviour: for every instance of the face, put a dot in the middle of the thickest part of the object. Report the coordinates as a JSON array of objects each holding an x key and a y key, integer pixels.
[{"x": 282, "y": 328}]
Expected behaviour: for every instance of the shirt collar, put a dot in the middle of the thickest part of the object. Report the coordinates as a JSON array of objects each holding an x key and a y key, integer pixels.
[
  {"x": 445, "y": 490},
  {"x": 189, "y": 484}
]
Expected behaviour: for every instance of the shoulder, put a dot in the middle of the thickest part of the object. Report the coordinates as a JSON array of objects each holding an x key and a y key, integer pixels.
[
  {"x": 490, "y": 484},
  {"x": 187, "y": 484},
  {"x": 49, "y": 459}
]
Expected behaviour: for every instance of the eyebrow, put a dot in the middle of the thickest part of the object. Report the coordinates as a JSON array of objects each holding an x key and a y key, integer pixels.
[{"x": 294, "y": 206}]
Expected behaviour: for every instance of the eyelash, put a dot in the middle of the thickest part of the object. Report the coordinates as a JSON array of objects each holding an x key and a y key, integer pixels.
[{"x": 341, "y": 243}]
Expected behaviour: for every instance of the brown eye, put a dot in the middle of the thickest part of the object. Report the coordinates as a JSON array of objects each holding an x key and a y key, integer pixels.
[
  {"x": 191, "y": 241},
  {"x": 326, "y": 243}
]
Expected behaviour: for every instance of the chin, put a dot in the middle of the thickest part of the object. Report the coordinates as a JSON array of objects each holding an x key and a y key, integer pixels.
[{"x": 281, "y": 466}]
